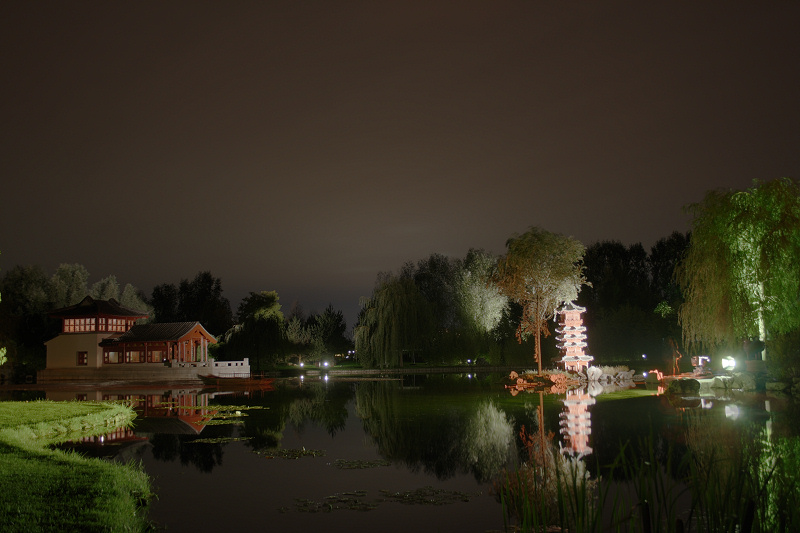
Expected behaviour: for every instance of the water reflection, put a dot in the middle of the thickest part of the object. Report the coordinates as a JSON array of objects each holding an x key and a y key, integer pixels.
[
  {"x": 440, "y": 425},
  {"x": 576, "y": 422},
  {"x": 447, "y": 431}
]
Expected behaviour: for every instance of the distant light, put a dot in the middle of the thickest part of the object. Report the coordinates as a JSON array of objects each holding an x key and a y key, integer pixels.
[
  {"x": 469, "y": 361},
  {"x": 644, "y": 374},
  {"x": 469, "y": 376},
  {"x": 644, "y": 356},
  {"x": 728, "y": 363},
  {"x": 301, "y": 364},
  {"x": 325, "y": 363},
  {"x": 732, "y": 411}
]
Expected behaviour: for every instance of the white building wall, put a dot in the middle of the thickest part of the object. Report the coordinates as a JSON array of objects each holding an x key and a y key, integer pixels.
[{"x": 62, "y": 351}]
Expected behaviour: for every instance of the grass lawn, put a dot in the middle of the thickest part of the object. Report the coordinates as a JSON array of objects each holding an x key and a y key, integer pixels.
[{"x": 44, "y": 489}]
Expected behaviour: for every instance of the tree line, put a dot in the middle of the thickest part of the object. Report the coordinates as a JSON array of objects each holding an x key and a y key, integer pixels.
[
  {"x": 493, "y": 307},
  {"x": 730, "y": 286},
  {"x": 258, "y": 330}
]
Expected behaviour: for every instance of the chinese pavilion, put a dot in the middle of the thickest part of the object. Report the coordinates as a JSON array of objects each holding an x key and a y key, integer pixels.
[
  {"x": 572, "y": 338},
  {"x": 101, "y": 336}
]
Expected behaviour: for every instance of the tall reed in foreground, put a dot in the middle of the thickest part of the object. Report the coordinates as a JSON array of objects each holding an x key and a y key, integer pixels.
[{"x": 726, "y": 481}]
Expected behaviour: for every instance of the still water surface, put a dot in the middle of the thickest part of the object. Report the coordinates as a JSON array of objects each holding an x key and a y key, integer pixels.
[{"x": 417, "y": 453}]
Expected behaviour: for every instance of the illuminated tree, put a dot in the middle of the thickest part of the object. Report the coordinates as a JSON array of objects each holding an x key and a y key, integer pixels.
[
  {"x": 69, "y": 284},
  {"x": 132, "y": 298},
  {"x": 105, "y": 289},
  {"x": 540, "y": 271},
  {"x": 741, "y": 274},
  {"x": 481, "y": 303},
  {"x": 394, "y": 320}
]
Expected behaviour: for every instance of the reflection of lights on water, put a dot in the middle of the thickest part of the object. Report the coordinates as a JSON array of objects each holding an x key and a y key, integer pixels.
[
  {"x": 728, "y": 363},
  {"x": 732, "y": 411},
  {"x": 706, "y": 404},
  {"x": 302, "y": 378},
  {"x": 326, "y": 377}
]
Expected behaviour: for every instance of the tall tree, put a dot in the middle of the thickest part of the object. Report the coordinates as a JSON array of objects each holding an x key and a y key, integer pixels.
[
  {"x": 259, "y": 334},
  {"x": 741, "y": 274},
  {"x": 327, "y": 331},
  {"x": 481, "y": 303},
  {"x": 105, "y": 289},
  {"x": 164, "y": 301},
  {"x": 201, "y": 299},
  {"x": 69, "y": 284},
  {"x": 664, "y": 256},
  {"x": 617, "y": 275},
  {"x": 133, "y": 298},
  {"x": 395, "y": 320},
  {"x": 540, "y": 271}
]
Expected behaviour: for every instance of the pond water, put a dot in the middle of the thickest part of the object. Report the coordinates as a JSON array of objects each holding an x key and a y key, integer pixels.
[{"x": 413, "y": 453}]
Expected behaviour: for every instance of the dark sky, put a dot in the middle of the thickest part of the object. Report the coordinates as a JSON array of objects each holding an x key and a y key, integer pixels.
[{"x": 305, "y": 146}]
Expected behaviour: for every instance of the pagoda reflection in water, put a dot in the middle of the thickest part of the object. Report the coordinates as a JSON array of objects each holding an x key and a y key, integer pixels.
[{"x": 576, "y": 422}]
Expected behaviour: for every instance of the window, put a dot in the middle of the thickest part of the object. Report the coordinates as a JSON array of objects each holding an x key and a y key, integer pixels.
[
  {"x": 156, "y": 356},
  {"x": 83, "y": 358},
  {"x": 134, "y": 356},
  {"x": 111, "y": 358}
]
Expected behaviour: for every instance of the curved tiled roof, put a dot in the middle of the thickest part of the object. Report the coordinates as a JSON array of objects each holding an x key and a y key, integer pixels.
[
  {"x": 168, "y": 331},
  {"x": 91, "y": 307}
]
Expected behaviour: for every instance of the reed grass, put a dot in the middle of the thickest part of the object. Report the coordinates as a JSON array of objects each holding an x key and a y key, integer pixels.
[{"x": 723, "y": 482}]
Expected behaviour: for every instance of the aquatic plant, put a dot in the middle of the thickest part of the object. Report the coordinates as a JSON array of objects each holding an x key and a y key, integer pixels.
[{"x": 724, "y": 481}]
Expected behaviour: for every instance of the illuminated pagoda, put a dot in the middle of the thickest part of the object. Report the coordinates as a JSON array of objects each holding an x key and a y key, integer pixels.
[
  {"x": 576, "y": 423},
  {"x": 572, "y": 338}
]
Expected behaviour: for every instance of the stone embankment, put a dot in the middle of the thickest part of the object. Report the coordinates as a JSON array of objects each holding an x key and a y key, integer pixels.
[{"x": 738, "y": 381}]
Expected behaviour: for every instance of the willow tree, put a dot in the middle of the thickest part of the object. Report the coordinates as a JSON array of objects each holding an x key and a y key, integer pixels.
[
  {"x": 741, "y": 274},
  {"x": 540, "y": 271},
  {"x": 396, "y": 319},
  {"x": 259, "y": 334}
]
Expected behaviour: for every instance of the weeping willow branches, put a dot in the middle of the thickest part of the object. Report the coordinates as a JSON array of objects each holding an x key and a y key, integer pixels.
[
  {"x": 394, "y": 320},
  {"x": 741, "y": 274}
]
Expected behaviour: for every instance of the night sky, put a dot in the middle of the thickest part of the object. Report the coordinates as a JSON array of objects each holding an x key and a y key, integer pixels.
[{"x": 304, "y": 147}]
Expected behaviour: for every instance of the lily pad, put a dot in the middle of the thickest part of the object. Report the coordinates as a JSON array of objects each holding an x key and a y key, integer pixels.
[
  {"x": 217, "y": 440},
  {"x": 290, "y": 453},
  {"x": 427, "y": 496},
  {"x": 359, "y": 464}
]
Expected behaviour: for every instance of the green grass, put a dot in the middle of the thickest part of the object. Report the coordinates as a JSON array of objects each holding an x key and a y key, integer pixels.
[{"x": 45, "y": 489}]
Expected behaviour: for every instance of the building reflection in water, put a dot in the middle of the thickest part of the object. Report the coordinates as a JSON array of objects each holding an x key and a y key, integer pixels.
[
  {"x": 576, "y": 422},
  {"x": 169, "y": 411}
]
